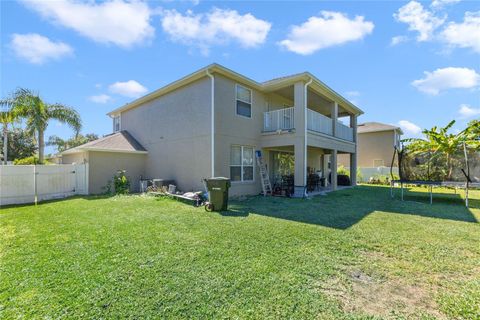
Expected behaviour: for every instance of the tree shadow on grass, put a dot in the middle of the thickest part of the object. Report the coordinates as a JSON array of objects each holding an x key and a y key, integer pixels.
[{"x": 345, "y": 208}]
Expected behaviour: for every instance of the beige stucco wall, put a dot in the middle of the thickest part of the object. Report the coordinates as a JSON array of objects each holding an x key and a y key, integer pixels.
[
  {"x": 104, "y": 165},
  {"x": 175, "y": 129},
  {"x": 79, "y": 157},
  {"x": 232, "y": 129},
  {"x": 343, "y": 159},
  {"x": 314, "y": 158},
  {"x": 373, "y": 146}
]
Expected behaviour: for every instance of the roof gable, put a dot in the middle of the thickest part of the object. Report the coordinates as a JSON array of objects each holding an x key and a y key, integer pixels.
[
  {"x": 265, "y": 86},
  {"x": 376, "y": 127},
  {"x": 116, "y": 142}
]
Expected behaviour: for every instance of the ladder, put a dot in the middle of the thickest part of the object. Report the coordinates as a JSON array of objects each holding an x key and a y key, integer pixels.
[{"x": 266, "y": 186}]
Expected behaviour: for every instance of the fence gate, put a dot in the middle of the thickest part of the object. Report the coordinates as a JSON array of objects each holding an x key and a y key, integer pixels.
[{"x": 27, "y": 184}]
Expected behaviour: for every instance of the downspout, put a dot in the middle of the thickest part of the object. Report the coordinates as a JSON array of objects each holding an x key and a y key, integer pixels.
[
  {"x": 305, "y": 139},
  {"x": 212, "y": 129}
]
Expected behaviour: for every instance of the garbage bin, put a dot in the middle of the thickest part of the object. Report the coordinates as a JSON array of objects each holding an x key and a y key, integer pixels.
[{"x": 218, "y": 192}]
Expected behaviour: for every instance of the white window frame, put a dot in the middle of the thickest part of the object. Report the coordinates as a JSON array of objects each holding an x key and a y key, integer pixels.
[
  {"x": 242, "y": 165},
  {"x": 251, "y": 101},
  {"x": 119, "y": 123}
]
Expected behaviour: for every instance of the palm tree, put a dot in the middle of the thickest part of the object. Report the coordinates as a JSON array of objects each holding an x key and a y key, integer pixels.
[
  {"x": 64, "y": 144},
  {"x": 38, "y": 113},
  {"x": 8, "y": 116}
]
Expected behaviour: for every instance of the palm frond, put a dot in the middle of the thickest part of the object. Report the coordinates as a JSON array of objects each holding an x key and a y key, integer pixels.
[{"x": 65, "y": 115}]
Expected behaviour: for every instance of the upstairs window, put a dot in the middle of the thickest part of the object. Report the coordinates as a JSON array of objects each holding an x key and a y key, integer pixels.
[
  {"x": 116, "y": 124},
  {"x": 244, "y": 101}
]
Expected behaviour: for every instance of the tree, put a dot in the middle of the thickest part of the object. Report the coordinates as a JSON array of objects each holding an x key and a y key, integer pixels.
[
  {"x": 8, "y": 115},
  {"x": 38, "y": 113},
  {"x": 20, "y": 144},
  {"x": 439, "y": 143},
  {"x": 73, "y": 142},
  {"x": 472, "y": 135}
]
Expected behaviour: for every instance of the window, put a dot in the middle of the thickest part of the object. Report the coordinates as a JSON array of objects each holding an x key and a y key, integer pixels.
[
  {"x": 116, "y": 124},
  {"x": 244, "y": 101},
  {"x": 241, "y": 163},
  {"x": 378, "y": 163}
]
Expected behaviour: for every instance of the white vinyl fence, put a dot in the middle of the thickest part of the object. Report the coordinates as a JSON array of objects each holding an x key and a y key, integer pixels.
[
  {"x": 28, "y": 184},
  {"x": 375, "y": 172}
]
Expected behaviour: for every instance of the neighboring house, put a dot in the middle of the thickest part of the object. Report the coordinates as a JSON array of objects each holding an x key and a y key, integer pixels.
[
  {"x": 211, "y": 122},
  {"x": 376, "y": 142}
]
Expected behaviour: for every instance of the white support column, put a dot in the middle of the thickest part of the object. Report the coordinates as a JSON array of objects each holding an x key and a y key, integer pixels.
[
  {"x": 333, "y": 166},
  {"x": 300, "y": 145},
  {"x": 334, "y": 116},
  {"x": 326, "y": 172},
  {"x": 353, "y": 125},
  {"x": 353, "y": 169},
  {"x": 353, "y": 156}
]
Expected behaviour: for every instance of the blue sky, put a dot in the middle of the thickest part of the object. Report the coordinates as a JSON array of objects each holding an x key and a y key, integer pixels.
[{"x": 414, "y": 64}]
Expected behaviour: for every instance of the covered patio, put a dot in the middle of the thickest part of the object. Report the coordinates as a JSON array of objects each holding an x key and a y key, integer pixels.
[{"x": 319, "y": 178}]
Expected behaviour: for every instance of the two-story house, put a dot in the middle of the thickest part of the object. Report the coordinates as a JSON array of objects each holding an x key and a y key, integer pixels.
[
  {"x": 211, "y": 122},
  {"x": 376, "y": 144}
]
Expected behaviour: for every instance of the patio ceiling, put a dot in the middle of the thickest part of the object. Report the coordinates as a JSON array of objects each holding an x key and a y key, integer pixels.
[{"x": 316, "y": 101}]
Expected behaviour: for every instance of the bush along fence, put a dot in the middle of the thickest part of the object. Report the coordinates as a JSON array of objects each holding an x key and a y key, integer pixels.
[
  {"x": 374, "y": 174},
  {"x": 32, "y": 183}
]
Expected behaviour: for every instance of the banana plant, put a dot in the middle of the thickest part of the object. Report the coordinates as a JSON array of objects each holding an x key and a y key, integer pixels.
[{"x": 439, "y": 143}]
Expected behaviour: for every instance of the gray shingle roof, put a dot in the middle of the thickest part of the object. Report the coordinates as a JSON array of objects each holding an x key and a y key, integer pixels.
[
  {"x": 119, "y": 142},
  {"x": 376, "y": 126}
]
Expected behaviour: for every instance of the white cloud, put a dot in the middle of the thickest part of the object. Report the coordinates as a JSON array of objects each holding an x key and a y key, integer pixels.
[
  {"x": 397, "y": 40},
  {"x": 438, "y": 4},
  {"x": 130, "y": 88},
  {"x": 465, "y": 34},
  {"x": 38, "y": 49},
  {"x": 327, "y": 30},
  {"x": 419, "y": 19},
  {"x": 101, "y": 98},
  {"x": 465, "y": 111},
  {"x": 409, "y": 128},
  {"x": 114, "y": 22},
  {"x": 353, "y": 93},
  {"x": 447, "y": 78},
  {"x": 215, "y": 27}
]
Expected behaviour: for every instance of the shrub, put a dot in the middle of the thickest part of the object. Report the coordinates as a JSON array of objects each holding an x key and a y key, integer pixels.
[
  {"x": 29, "y": 161},
  {"x": 381, "y": 179},
  {"x": 359, "y": 175},
  {"x": 343, "y": 180},
  {"x": 26, "y": 161},
  {"x": 343, "y": 171},
  {"x": 121, "y": 183}
]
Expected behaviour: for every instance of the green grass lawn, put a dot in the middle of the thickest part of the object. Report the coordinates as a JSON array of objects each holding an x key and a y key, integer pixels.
[{"x": 352, "y": 254}]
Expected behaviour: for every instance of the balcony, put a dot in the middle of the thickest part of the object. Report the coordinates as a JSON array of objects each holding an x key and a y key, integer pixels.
[
  {"x": 283, "y": 120},
  {"x": 344, "y": 132},
  {"x": 319, "y": 123}
]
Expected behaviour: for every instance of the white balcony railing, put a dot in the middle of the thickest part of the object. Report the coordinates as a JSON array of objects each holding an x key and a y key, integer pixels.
[
  {"x": 281, "y": 119},
  {"x": 344, "y": 132},
  {"x": 318, "y": 122}
]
